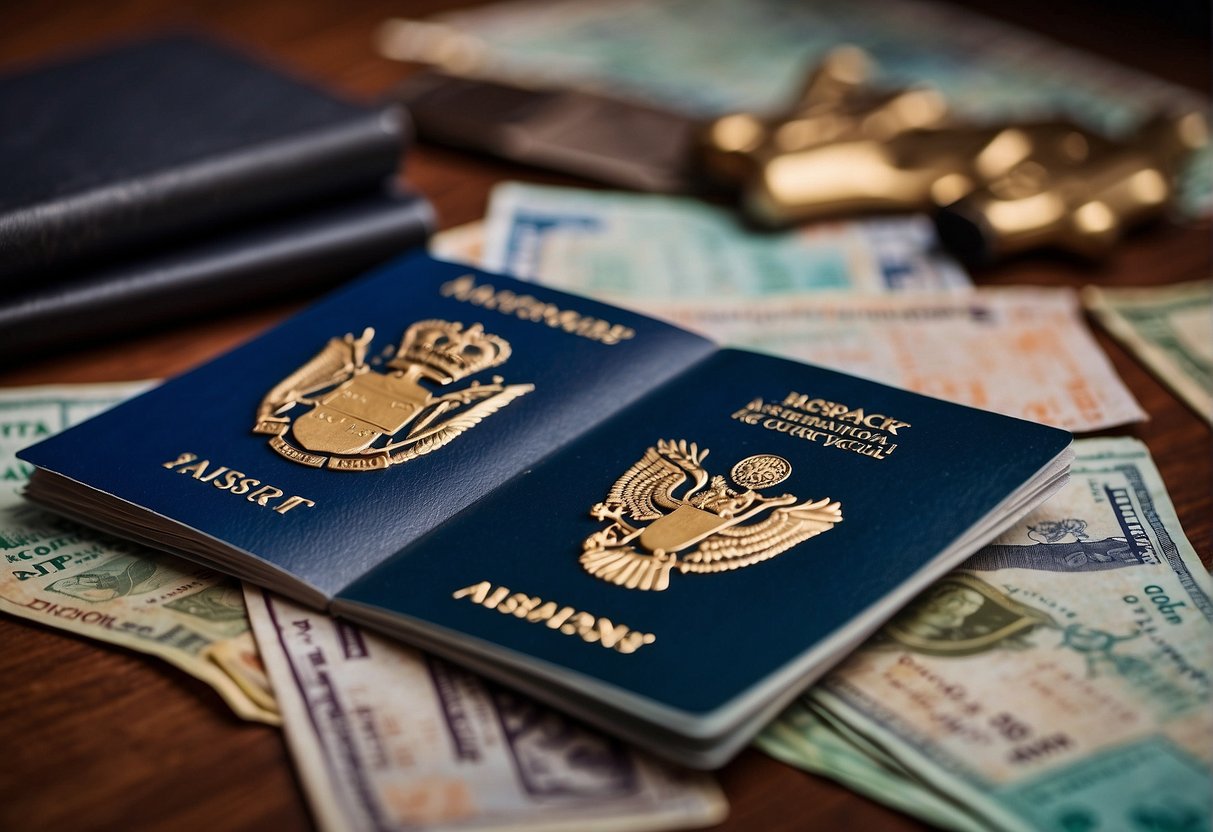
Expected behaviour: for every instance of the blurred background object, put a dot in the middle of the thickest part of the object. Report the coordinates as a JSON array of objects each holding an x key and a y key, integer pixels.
[
  {"x": 929, "y": 104},
  {"x": 847, "y": 146},
  {"x": 1072, "y": 190},
  {"x": 174, "y": 174},
  {"x": 601, "y": 138}
]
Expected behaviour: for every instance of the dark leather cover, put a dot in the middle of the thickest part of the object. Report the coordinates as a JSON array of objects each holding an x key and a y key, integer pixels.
[
  {"x": 285, "y": 256},
  {"x": 362, "y": 517},
  {"x": 163, "y": 137}
]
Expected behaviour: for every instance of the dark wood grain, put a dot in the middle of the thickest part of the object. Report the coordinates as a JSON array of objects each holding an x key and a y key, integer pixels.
[{"x": 95, "y": 737}]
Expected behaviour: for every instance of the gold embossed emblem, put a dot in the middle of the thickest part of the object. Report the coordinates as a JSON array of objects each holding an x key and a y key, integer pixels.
[
  {"x": 709, "y": 528},
  {"x": 362, "y": 418}
]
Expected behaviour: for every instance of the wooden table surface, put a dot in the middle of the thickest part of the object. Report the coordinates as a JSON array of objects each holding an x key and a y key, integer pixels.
[{"x": 97, "y": 737}]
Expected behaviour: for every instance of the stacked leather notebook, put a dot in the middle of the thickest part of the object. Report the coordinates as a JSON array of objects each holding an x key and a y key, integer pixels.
[{"x": 176, "y": 176}]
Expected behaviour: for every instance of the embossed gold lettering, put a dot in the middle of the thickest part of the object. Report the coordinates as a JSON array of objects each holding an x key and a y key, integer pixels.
[
  {"x": 264, "y": 494},
  {"x": 519, "y": 604},
  {"x": 891, "y": 426},
  {"x": 213, "y": 474},
  {"x": 229, "y": 480},
  {"x": 557, "y": 620},
  {"x": 633, "y": 641},
  {"x": 529, "y": 308},
  {"x": 835, "y": 410},
  {"x": 478, "y": 592},
  {"x": 181, "y": 460},
  {"x": 235, "y": 482},
  {"x": 293, "y": 502},
  {"x": 496, "y": 598},
  {"x": 196, "y": 469},
  {"x": 566, "y": 620},
  {"x": 582, "y": 624},
  {"x": 246, "y": 485},
  {"x": 609, "y": 634},
  {"x": 543, "y": 613},
  {"x": 831, "y": 424}
]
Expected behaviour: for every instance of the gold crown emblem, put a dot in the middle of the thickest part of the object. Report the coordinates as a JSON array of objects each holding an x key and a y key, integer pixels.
[
  {"x": 363, "y": 419},
  {"x": 446, "y": 352}
]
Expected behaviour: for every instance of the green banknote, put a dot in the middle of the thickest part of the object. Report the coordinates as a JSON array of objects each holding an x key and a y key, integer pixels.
[
  {"x": 71, "y": 578},
  {"x": 804, "y": 738},
  {"x": 1170, "y": 329},
  {"x": 1060, "y": 679},
  {"x": 626, "y": 247},
  {"x": 753, "y": 56}
]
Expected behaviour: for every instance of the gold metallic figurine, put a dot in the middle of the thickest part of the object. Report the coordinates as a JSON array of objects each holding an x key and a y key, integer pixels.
[{"x": 847, "y": 147}]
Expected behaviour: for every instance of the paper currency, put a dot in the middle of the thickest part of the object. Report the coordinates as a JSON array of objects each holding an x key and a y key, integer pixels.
[
  {"x": 753, "y": 56},
  {"x": 1020, "y": 351},
  {"x": 811, "y": 295},
  {"x": 803, "y": 738},
  {"x": 461, "y": 244},
  {"x": 71, "y": 578},
  {"x": 621, "y": 247},
  {"x": 385, "y": 738},
  {"x": 1170, "y": 329},
  {"x": 240, "y": 659},
  {"x": 1060, "y": 679}
]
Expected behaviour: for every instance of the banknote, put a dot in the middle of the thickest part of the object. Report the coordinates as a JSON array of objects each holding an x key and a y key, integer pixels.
[
  {"x": 1170, "y": 329},
  {"x": 240, "y": 659},
  {"x": 70, "y": 578},
  {"x": 1060, "y": 678},
  {"x": 620, "y": 247},
  {"x": 753, "y": 56},
  {"x": 804, "y": 738},
  {"x": 1020, "y": 351},
  {"x": 461, "y": 244},
  {"x": 386, "y": 738}
]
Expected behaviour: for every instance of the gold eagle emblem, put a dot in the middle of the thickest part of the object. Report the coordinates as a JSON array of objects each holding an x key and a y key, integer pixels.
[
  {"x": 709, "y": 528},
  {"x": 363, "y": 418}
]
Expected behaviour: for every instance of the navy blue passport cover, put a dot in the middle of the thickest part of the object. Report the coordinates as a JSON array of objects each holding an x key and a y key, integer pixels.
[
  {"x": 360, "y": 518},
  {"x": 717, "y": 635}
]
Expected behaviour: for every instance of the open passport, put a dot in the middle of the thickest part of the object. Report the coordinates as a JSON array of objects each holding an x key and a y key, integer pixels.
[{"x": 664, "y": 538}]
